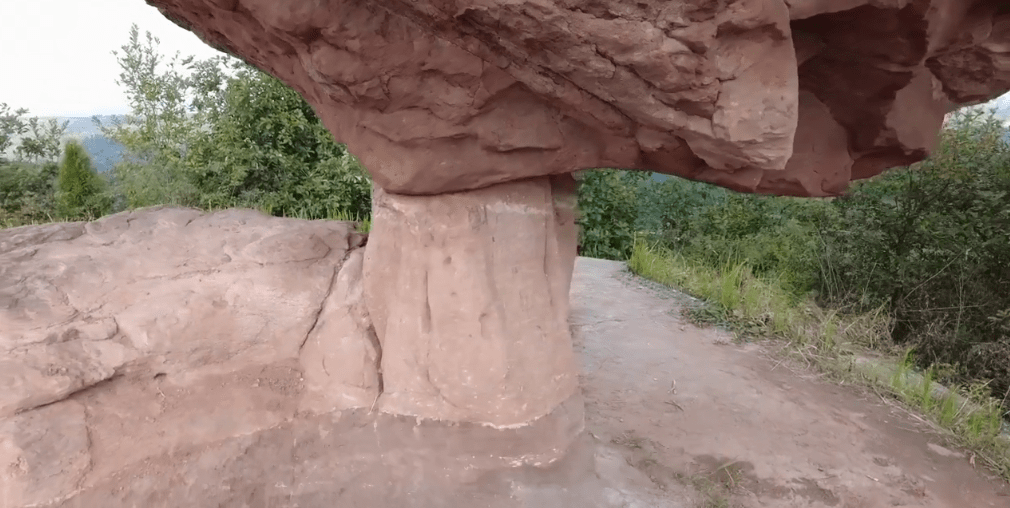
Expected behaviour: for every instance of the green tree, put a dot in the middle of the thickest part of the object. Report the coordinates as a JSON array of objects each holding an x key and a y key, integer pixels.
[
  {"x": 608, "y": 212},
  {"x": 44, "y": 141},
  {"x": 220, "y": 133},
  {"x": 27, "y": 189},
  {"x": 164, "y": 120},
  {"x": 27, "y": 193},
  {"x": 79, "y": 188},
  {"x": 159, "y": 124},
  {"x": 774, "y": 236},
  {"x": 266, "y": 147},
  {"x": 11, "y": 125},
  {"x": 931, "y": 241}
]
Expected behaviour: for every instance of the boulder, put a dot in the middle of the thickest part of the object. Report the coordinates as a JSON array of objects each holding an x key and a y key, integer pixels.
[
  {"x": 249, "y": 319},
  {"x": 169, "y": 357},
  {"x": 776, "y": 96},
  {"x": 181, "y": 296}
]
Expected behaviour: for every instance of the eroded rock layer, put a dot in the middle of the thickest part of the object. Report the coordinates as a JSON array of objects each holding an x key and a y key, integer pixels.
[
  {"x": 167, "y": 357},
  {"x": 781, "y": 96},
  {"x": 179, "y": 295},
  {"x": 468, "y": 293}
]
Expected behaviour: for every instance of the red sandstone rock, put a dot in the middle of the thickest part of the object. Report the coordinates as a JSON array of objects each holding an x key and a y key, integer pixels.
[
  {"x": 185, "y": 295},
  {"x": 167, "y": 357},
  {"x": 468, "y": 293},
  {"x": 247, "y": 353},
  {"x": 445, "y": 96}
]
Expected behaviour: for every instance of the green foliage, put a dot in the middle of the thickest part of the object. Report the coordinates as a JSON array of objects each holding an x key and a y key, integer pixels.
[
  {"x": 27, "y": 193},
  {"x": 267, "y": 147},
  {"x": 138, "y": 185},
  {"x": 79, "y": 190},
  {"x": 218, "y": 133},
  {"x": 668, "y": 207},
  {"x": 933, "y": 242},
  {"x": 160, "y": 126},
  {"x": 169, "y": 110},
  {"x": 929, "y": 244},
  {"x": 772, "y": 236},
  {"x": 608, "y": 212},
  {"x": 212, "y": 133},
  {"x": 44, "y": 141},
  {"x": 28, "y": 184},
  {"x": 11, "y": 125}
]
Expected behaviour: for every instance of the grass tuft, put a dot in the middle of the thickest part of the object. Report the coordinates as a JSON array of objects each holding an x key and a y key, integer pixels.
[{"x": 831, "y": 340}]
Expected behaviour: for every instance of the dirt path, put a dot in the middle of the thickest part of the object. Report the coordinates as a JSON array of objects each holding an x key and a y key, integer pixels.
[{"x": 686, "y": 406}]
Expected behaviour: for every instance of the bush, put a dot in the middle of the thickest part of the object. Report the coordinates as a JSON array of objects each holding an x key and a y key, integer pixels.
[
  {"x": 27, "y": 193},
  {"x": 608, "y": 204},
  {"x": 773, "y": 236},
  {"x": 929, "y": 243},
  {"x": 79, "y": 190},
  {"x": 933, "y": 242},
  {"x": 213, "y": 139},
  {"x": 139, "y": 184}
]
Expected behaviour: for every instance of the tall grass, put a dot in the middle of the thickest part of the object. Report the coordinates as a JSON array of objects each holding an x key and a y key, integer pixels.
[
  {"x": 364, "y": 224},
  {"x": 763, "y": 306}
]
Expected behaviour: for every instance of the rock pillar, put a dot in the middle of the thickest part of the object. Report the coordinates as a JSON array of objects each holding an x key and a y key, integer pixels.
[{"x": 468, "y": 294}]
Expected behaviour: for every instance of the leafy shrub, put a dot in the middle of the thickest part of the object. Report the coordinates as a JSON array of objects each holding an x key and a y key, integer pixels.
[
  {"x": 79, "y": 190},
  {"x": 930, "y": 243},
  {"x": 211, "y": 140},
  {"x": 267, "y": 148},
  {"x": 608, "y": 210},
  {"x": 139, "y": 184},
  {"x": 27, "y": 193},
  {"x": 933, "y": 242},
  {"x": 670, "y": 205},
  {"x": 773, "y": 236}
]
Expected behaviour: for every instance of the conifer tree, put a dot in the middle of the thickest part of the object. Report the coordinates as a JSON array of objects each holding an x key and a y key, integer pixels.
[{"x": 79, "y": 188}]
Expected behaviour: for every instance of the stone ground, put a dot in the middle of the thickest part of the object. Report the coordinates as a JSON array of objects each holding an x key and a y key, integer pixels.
[
  {"x": 689, "y": 408},
  {"x": 675, "y": 417}
]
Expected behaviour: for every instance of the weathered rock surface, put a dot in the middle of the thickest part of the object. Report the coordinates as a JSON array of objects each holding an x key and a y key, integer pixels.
[
  {"x": 181, "y": 295},
  {"x": 167, "y": 357},
  {"x": 100, "y": 321},
  {"x": 468, "y": 293},
  {"x": 781, "y": 96}
]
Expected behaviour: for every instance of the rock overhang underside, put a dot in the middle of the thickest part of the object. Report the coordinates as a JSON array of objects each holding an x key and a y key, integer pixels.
[{"x": 795, "y": 97}]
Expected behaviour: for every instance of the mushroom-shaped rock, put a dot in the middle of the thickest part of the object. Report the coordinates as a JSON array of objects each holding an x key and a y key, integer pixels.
[
  {"x": 446, "y": 342},
  {"x": 470, "y": 115}
]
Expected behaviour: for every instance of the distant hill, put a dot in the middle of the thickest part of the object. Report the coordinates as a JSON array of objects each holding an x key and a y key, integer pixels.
[
  {"x": 85, "y": 126},
  {"x": 104, "y": 152}
]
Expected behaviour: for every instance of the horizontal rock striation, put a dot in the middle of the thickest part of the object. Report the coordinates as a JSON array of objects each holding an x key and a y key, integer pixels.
[
  {"x": 468, "y": 294},
  {"x": 778, "y": 96}
]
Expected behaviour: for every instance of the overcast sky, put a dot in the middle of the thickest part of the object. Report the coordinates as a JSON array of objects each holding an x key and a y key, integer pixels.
[{"x": 56, "y": 57}]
